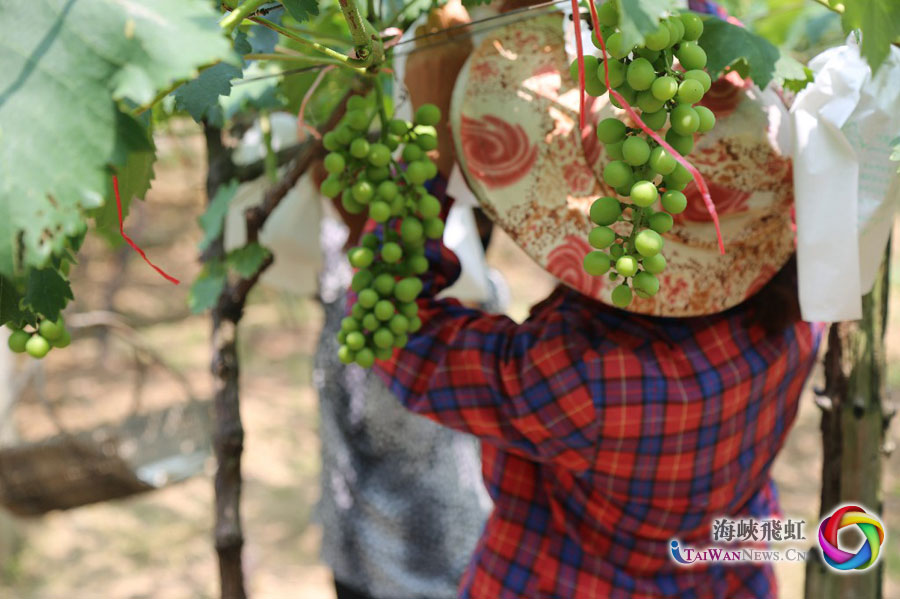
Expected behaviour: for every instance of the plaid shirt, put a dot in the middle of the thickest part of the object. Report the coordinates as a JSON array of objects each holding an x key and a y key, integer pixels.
[{"x": 606, "y": 434}]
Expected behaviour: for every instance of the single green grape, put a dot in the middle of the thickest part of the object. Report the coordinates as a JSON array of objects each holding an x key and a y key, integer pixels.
[
  {"x": 684, "y": 119},
  {"x": 605, "y": 211},
  {"x": 680, "y": 176},
  {"x": 357, "y": 119},
  {"x": 418, "y": 264},
  {"x": 358, "y": 312},
  {"x": 616, "y": 46},
  {"x": 601, "y": 237},
  {"x": 349, "y": 324},
  {"x": 691, "y": 56},
  {"x": 654, "y": 264},
  {"x": 376, "y": 174},
  {"x": 411, "y": 230},
  {"x": 51, "y": 330},
  {"x": 429, "y": 206},
  {"x": 407, "y": 290},
  {"x": 644, "y": 193},
  {"x": 398, "y": 127},
  {"x": 636, "y": 151},
  {"x": 647, "y": 102},
  {"x": 646, "y": 282},
  {"x": 384, "y": 310},
  {"x": 616, "y": 251},
  {"x": 349, "y": 204},
  {"x": 664, "y": 88},
  {"x": 661, "y": 222},
  {"x": 618, "y": 173},
  {"x": 391, "y": 252},
  {"x": 683, "y": 144},
  {"x": 428, "y": 114},
  {"x": 674, "y": 201},
  {"x": 648, "y": 243},
  {"x": 17, "y": 340},
  {"x": 659, "y": 39},
  {"x": 593, "y": 83},
  {"x": 387, "y": 190},
  {"x": 430, "y": 168},
  {"x": 359, "y": 148},
  {"x": 693, "y": 26},
  {"x": 344, "y": 134},
  {"x": 370, "y": 323},
  {"x": 355, "y": 340},
  {"x": 365, "y": 357},
  {"x": 627, "y": 93},
  {"x": 367, "y": 298},
  {"x": 621, "y": 296},
  {"x": 417, "y": 172},
  {"x": 409, "y": 309},
  {"x": 707, "y": 119},
  {"x": 331, "y": 187},
  {"x": 627, "y": 265},
  {"x": 640, "y": 74},
  {"x": 398, "y": 324},
  {"x": 346, "y": 355},
  {"x": 590, "y": 64},
  {"x": 361, "y": 257},
  {"x": 362, "y": 191},
  {"x": 379, "y": 211},
  {"x": 617, "y": 72},
  {"x": 676, "y": 30},
  {"x": 379, "y": 155},
  {"x": 701, "y": 76},
  {"x": 661, "y": 161},
  {"x": 608, "y": 14},
  {"x": 361, "y": 279},
  {"x": 427, "y": 142},
  {"x": 610, "y": 130},
  {"x": 334, "y": 163},
  {"x": 331, "y": 142},
  {"x": 385, "y": 353},
  {"x": 655, "y": 120},
  {"x": 614, "y": 151},
  {"x": 690, "y": 91},
  {"x": 383, "y": 338},
  {"x": 596, "y": 263},
  {"x": 434, "y": 228}
]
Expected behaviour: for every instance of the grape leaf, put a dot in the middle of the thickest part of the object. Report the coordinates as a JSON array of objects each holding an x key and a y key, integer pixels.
[
  {"x": 247, "y": 260},
  {"x": 879, "y": 21},
  {"x": 67, "y": 68},
  {"x": 640, "y": 17},
  {"x": 201, "y": 95},
  {"x": 10, "y": 312},
  {"x": 301, "y": 10},
  {"x": 791, "y": 74},
  {"x": 212, "y": 220},
  {"x": 726, "y": 44},
  {"x": 47, "y": 292},
  {"x": 207, "y": 286}
]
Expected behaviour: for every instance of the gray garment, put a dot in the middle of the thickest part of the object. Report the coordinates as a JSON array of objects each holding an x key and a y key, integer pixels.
[{"x": 403, "y": 502}]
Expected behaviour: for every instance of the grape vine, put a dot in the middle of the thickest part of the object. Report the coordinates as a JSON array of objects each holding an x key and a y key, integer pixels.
[{"x": 641, "y": 169}]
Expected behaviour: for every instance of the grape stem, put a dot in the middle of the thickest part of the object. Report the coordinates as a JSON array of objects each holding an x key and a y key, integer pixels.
[
  {"x": 239, "y": 13},
  {"x": 341, "y": 59}
]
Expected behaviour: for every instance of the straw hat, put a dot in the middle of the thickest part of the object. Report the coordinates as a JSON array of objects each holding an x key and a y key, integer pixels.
[{"x": 514, "y": 118}]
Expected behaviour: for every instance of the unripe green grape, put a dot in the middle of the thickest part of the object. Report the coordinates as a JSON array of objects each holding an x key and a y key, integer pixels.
[
  {"x": 706, "y": 117},
  {"x": 400, "y": 341},
  {"x": 428, "y": 114},
  {"x": 664, "y": 88},
  {"x": 376, "y": 174},
  {"x": 616, "y": 251},
  {"x": 398, "y": 127},
  {"x": 624, "y": 190},
  {"x": 661, "y": 161},
  {"x": 331, "y": 142},
  {"x": 646, "y": 282},
  {"x": 654, "y": 264},
  {"x": 670, "y": 182},
  {"x": 383, "y": 284},
  {"x": 627, "y": 93},
  {"x": 358, "y": 312},
  {"x": 357, "y": 119},
  {"x": 647, "y": 102},
  {"x": 359, "y": 148},
  {"x": 391, "y": 252},
  {"x": 691, "y": 56},
  {"x": 331, "y": 187},
  {"x": 434, "y": 228},
  {"x": 344, "y": 134},
  {"x": 411, "y": 152},
  {"x": 379, "y": 211},
  {"x": 590, "y": 63},
  {"x": 429, "y": 206},
  {"x": 411, "y": 230},
  {"x": 384, "y": 310},
  {"x": 357, "y": 102},
  {"x": 387, "y": 190},
  {"x": 676, "y": 30},
  {"x": 406, "y": 290},
  {"x": 601, "y": 237},
  {"x": 596, "y": 263},
  {"x": 346, "y": 355},
  {"x": 690, "y": 91},
  {"x": 681, "y": 175},
  {"x": 349, "y": 204},
  {"x": 661, "y": 222},
  {"x": 636, "y": 151},
  {"x": 693, "y": 26},
  {"x": 361, "y": 257},
  {"x": 593, "y": 85},
  {"x": 621, "y": 296},
  {"x": 648, "y": 243},
  {"x": 51, "y": 330},
  {"x": 369, "y": 240},
  {"x": 365, "y": 357},
  {"x": 385, "y": 353},
  {"x": 640, "y": 74},
  {"x": 409, "y": 309},
  {"x": 617, "y": 173},
  {"x": 655, "y": 120},
  {"x": 334, "y": 163},
  {"x": 383, "y": 338},
  {"x": 427, "y": 142},
  {"x": 684, "y": 119},
  {"x": 367, "y": 298},
  {"x": 610, "y": 130},
  {"x": 392, "y": 141},
  {"x": 608, "y": 14},
  {"x": 398, "y": 206},
  {"x": 418, "y": 264},
  {"x": 361, "y": 280},
  {"x": 651, "y": 55},
  {"x": 627, "y": 265},
  {"x": 683, "y": 144},
  {"x": 398, "y": 324},
  {"x": 616, "y": 72},
  {"x": 417, "y": 172},
  {"x": 17, "y": 340},
  {"x": 430, "y": 168},
  {"x": 379, "y": 155},
  {"x": 349, "y": 324},
  {"x": 605, "y": 211},
  {"x": 674, "y": 201},
  {"x": 659, "y": 39},
  {"x": 616, "y": 46},
  {"x": 370, "y": 323},
  {"x": 362, "y": 191},
  {"x": 644, "y": 193},
  {"x": 415, "y": 324},
  {"x": 355, "y": 340},
  {"x": 701, "y": 76},
  {"x": 614, "y": 151}
]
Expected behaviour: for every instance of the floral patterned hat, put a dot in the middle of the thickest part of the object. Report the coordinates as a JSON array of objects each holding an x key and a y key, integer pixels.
[{"x": 514, "y": 118}]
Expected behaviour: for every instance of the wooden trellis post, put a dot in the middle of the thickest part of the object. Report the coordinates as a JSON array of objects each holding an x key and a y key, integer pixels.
[{"x": 855, "y": 417}]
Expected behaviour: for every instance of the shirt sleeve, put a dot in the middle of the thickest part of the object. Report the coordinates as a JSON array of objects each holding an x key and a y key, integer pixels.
[{"x": 520, "y": 386}]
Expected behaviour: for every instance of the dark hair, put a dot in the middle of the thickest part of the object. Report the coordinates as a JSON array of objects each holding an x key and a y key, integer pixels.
[{"x": 776, "y": 306}]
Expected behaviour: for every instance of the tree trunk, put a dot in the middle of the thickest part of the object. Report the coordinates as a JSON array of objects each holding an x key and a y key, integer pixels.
[{"x": 855, "y": 417}]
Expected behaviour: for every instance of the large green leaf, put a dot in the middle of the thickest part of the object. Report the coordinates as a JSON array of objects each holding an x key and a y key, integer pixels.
[
  {"x": 200, "y": 96},
  {"x": 68, "y": 66},
  {"x": 47, "y": 292},
  {"x": 207, "y": 286},
  {"x": 730, "y": 45},
  {"x": 879, "y": 22},
  {"x": 246, "y": 260},
  {"x": 213, "y": 219}
]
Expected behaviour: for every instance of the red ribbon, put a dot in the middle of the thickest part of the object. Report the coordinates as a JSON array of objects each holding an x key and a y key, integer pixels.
[
  {"x": 698, "y": 178},
  {"x": 133, "y": 244}
]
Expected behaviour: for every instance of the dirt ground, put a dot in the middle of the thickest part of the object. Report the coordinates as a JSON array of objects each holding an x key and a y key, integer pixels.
[{"x": 159, "y": 545}]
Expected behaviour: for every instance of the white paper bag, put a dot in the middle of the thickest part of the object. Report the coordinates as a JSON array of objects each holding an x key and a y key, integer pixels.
[{"x": 847, "y": 189}]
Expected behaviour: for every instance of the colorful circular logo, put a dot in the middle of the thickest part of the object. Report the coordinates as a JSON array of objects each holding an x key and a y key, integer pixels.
[{"x": 871, "y": 528}]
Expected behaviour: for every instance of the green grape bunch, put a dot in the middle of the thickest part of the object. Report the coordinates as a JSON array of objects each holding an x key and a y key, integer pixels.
[
  {"x": 37, "y": 343},
  {"x": 648, "y": 179},
  {"x": 370, "y": 176}
]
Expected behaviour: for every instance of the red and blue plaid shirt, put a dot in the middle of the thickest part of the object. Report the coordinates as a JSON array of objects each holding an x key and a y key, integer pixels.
[{"x": 606, "y": 435}]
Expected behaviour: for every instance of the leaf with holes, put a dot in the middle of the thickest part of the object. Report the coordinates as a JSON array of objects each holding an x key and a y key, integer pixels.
[
  {"x": 68, "y": 68},
  {"x": 47, "y": 292}
]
